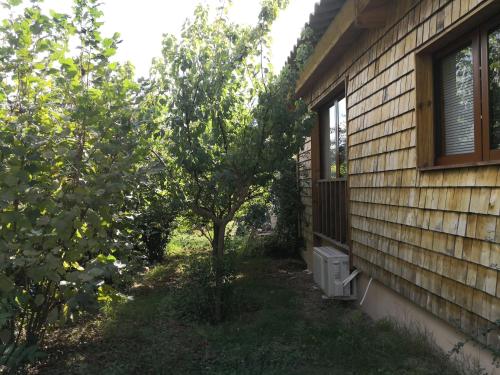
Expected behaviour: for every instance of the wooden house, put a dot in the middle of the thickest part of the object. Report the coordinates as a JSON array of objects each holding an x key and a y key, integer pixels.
[{"x": 402, "y": 170}]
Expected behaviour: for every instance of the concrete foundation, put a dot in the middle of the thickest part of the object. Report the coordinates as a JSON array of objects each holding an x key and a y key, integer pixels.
[{"x": 382, "y": 302}]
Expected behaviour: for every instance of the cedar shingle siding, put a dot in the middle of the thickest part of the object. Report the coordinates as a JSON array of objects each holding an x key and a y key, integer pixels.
[{"x": 432, "y": 236}]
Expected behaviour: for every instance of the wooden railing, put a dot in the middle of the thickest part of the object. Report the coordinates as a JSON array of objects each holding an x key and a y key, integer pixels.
[{"x": 332, "y": 210}]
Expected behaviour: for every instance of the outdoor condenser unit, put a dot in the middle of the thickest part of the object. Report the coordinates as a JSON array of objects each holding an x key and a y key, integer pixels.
[{"x": 330, "y": 270}]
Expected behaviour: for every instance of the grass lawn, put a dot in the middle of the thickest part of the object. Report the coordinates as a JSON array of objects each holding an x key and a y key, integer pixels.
[{"x": 280, "y": 325}]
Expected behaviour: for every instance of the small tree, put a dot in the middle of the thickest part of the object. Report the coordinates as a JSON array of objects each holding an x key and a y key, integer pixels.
[{"x": 226, "y": 121}]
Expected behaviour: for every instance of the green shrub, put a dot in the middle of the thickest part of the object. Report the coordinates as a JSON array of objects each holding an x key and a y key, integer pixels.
[
  {"x": 273, "y": 246},
  {"x": 288, "y": 208},
  {"x": 284, "y": 200},
  {"x": 154, "y": 214},
  {"x": 254, "y": 216},
  {"x": 68, "y": 157},
  {"x": 195, "y": 297}
]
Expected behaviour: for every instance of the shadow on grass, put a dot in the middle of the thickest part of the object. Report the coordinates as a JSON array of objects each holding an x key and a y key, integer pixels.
[{"x": 279, "y": 324}]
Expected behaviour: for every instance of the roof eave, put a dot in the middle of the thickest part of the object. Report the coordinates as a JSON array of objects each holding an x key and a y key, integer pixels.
[{"x": 353, "y": 17}]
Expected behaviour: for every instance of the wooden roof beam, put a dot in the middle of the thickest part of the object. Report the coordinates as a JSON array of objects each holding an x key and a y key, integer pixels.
[
  {"x": 372, "y": 14},
  {"x": 354, "y": 16}
]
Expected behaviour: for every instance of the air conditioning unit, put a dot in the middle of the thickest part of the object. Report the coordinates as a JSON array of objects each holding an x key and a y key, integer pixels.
[{"x": 330, "y": 270}]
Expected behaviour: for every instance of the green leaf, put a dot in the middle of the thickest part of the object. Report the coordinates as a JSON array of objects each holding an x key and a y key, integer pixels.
[
  {"x": 108, "y": 52},
  {"x": 106, "y": 258},
  {"x": 77, "y": 266}
]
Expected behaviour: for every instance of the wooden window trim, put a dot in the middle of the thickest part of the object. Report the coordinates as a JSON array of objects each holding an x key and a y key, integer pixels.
[
  {"x": 461, "y": 165},
  {"x": 475, "y": 26},
  {"x": 488, "y": 153}
]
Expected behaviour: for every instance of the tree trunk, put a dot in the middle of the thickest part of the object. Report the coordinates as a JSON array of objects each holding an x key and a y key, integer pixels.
[{"x": 218, "y": 257}]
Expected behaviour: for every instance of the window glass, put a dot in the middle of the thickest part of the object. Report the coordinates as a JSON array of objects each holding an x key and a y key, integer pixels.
[
  {"x": 326, "y": 157},
  {"x": 333, "y": 130},
  {"x": 494, "y": 87},
  {"x": 458, "y": 102},
  {"x": 342, "y": 120},
  {"x": 333, "y": 141}
]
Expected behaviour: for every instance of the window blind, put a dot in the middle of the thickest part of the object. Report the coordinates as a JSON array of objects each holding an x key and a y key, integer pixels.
[{"x": 458, "y": 102}]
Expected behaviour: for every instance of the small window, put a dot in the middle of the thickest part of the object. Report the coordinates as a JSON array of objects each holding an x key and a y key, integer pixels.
[
  {"x": 458, "y": 98},
  {"x": 333, "y": 141}
]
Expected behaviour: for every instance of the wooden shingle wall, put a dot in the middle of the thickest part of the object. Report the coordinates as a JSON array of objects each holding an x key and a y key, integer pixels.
[{"x": 432, "y": 236}]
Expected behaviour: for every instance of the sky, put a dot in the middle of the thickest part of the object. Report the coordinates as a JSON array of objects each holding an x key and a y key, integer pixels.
[{"x": 141, "y": 24}]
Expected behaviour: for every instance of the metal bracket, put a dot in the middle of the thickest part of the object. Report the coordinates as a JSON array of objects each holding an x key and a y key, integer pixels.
[{"x": 349, "y": 278}]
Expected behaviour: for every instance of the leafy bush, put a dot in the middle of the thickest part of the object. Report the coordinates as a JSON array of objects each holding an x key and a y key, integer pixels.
[
  {"x": 154, "y": 212},
  {"x": 253, "y": 216},
  {"x": 195, "y": 298},
  {"x": 284, "y": 201},
  {"x": 288, "y": 207},
  {"x": 68, "y": 153}
]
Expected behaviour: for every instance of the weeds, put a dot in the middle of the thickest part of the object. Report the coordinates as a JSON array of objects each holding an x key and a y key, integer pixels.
[
  {"x": 276, "y": 324},
  {"x": 195, "y": 293}
]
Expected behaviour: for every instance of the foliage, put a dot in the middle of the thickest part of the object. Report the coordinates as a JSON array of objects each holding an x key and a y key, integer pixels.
[
  {"x": 184, "y": 239},
  {"x": 225, "y": 119},
  {"x": 253, "y": 216},
  {"x": 194, "y": 299},
  {"x": 283, "y": 327},
  {"x": 284, "y": 190},
  {"x": 284, "y": 197},
  {"x": 288, "y": 207},
  {"x": 154, "y": 212},
  {"x": 482, "y": 337},
  {"x": 271, "y": 245},
  {"x": 68, "y": 152}
]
